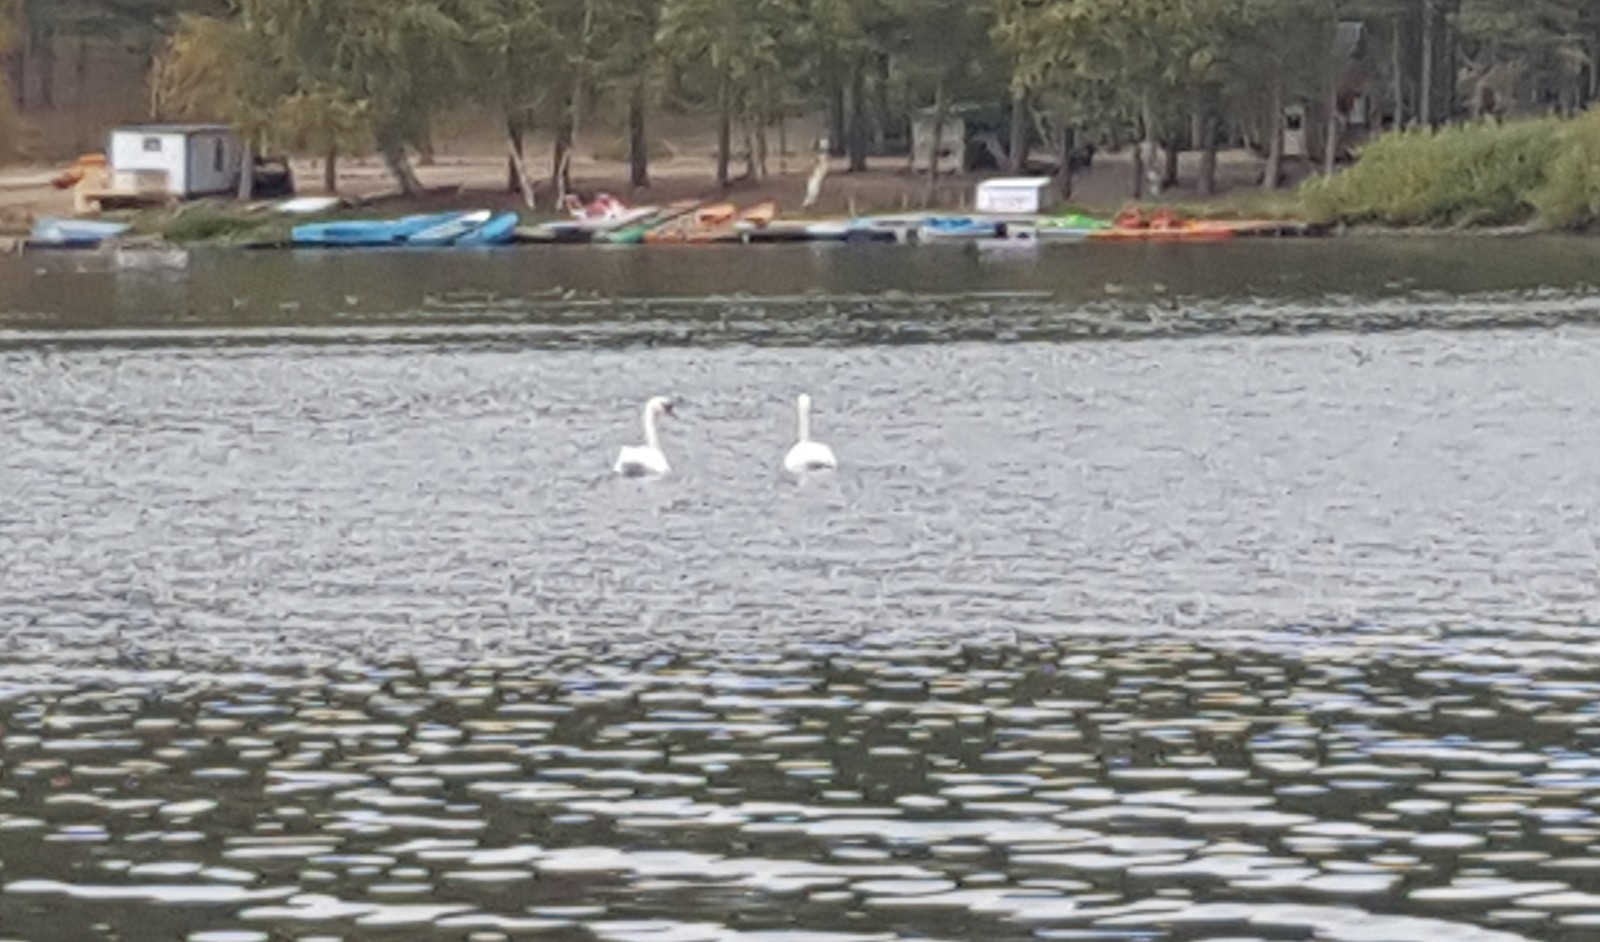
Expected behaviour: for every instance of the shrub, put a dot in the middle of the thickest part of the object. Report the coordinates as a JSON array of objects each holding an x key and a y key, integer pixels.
[
  {"x": 1570, "y": 197},
  {"x": 208, "y": 224},
  {"x": 1480, "y": 174}
]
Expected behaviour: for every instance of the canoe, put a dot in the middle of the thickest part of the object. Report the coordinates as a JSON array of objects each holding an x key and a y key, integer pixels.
[
  {"x": 352, "y": 233},
  {"x": 499, "y": 230},
  {"x": 52, "y": 232},
  {"x": 692, "y": 226},
  {"x": 449, "y": 231}
]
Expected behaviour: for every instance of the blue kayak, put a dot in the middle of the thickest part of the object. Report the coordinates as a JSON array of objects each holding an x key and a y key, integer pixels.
[
  {"x": 52, "y": 232},
  {"x": 497, "y": 231},
  {"x": 957, "y": 227},
  {"x": 368, "y": 232},
  {"x": 446, "y": 233}
]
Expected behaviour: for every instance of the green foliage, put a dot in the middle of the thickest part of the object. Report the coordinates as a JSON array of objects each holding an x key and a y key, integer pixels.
[
  {"x": 205, "y": 222},
  {"x": 1482, "y": 174},
  {"x": 1570, "y": 197}
]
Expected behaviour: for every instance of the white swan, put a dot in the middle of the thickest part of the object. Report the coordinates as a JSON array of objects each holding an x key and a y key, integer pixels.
[
  {"x": 636, "y": 461},
  {"x": 807, "y": 455}
]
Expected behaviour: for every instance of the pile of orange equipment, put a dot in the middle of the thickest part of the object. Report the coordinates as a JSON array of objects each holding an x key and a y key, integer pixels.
[{"x": 82, "y": 167}]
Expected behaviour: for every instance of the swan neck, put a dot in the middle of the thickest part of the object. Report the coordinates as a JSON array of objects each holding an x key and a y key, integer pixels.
[
  {"x": 804, "y": 408},
  {"x": 650, "y": 436}
]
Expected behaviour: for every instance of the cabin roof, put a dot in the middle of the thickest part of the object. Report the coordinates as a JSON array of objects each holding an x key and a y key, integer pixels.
[{"x": 184, "y": 130}]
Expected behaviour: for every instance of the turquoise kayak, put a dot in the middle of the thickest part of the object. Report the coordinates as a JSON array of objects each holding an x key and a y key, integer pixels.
[
  {"x": 367, "y": 232},
  {"x": 499, "y": 230}
]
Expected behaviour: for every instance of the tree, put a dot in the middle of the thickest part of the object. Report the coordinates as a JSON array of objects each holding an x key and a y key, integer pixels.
[
  {"x": 510, "y": 42},
  {"x": 732, "y": 46},
  {"x": 10, "y": 21}
]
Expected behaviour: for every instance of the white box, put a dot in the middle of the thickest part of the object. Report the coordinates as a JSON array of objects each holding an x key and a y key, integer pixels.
[{"x": 1014, "y": 195}]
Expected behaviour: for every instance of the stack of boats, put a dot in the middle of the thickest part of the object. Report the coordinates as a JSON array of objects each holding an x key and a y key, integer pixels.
[
  {"x": 608, "y": 219},
  {"x": 433, "y": 230}
]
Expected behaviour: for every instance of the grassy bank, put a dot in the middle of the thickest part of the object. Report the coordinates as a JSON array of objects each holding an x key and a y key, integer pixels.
[{"x": 1544, "y": 172}]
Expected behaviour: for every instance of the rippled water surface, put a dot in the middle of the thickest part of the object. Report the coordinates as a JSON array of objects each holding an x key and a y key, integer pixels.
[{"x": 322, "y": 617}]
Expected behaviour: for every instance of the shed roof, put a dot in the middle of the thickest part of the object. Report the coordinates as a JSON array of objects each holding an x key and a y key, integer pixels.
[{"x": 182, "y": 129}]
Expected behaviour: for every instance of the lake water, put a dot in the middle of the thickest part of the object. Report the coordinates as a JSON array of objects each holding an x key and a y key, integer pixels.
[{"x": 1164, "y": 593}]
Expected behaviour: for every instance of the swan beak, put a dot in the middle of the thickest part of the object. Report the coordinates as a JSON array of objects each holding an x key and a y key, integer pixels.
[{"x": 668, "y": 410}]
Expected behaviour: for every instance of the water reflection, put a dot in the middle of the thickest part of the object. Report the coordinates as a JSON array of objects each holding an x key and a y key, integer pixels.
[
  {"x": 1060, "y": 789},
  {"x": 1221, "y": 638}
]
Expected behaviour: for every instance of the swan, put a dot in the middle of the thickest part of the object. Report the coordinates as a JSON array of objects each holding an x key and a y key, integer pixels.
[
  {"x": 636, "y": 461},
  {"x": 807, "y": 455}
]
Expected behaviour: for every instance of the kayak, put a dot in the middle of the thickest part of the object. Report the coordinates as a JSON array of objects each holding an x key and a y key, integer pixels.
[
  {"x": 499, "y": 230},
  {"x": 1188, "y": 231},
  {"x": 950, "y": 228},
  {"x": 1069, "y": 227},
  {"x": 449, "y": 231},
  {"x": 352, "y": 233},
  {"x": 52, "y": 232}
]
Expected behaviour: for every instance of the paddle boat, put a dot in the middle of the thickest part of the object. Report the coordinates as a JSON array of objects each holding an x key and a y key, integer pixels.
[{"x": 605, "y": 213}]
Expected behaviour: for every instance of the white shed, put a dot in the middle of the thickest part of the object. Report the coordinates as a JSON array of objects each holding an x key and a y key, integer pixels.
[{"x": 180, "y": 160}]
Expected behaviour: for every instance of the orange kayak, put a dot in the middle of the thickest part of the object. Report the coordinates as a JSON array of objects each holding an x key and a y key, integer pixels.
[{"x": 1189, "y": 231}]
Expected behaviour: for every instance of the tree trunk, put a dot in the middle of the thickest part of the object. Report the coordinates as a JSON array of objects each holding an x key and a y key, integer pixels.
[
  {"x": 638, "y": 144},
  {"x": 857, "y": 130},
  {"x": 247, "y": 177},
  {"x": 880, "y": 103},
  {"x": 46, "y": 61},
  {"x": 1452, "y": 74},
  {"x": 761, "y": 148},
  {"x": 1425, "y": 81},
  {"x": 749, "y": 147},
  {"x": 80, "y": 96},
  {"x": 1151, "y": 144},
  {"x": 1138, "y": 170},
  {"x": 17, "y": 68},
  {"x": 941, "y": 109},
  {"x": 1207, "y": 143},
  {"x": 1069, "y": 143},
  {"x": 517, "y": 165},
  {"x": 1330, "y": 142},
  {"x": 561, "y": 156},
  {"x": 1594, "y": 67},
  {"x": 1169, "y": 168},
  {"x": 425, "y": 154},
  {"x": 1017, "y": 151},
  {"x": 1274, "y": 168},
  {"x": 399, "y": 165},
  {"x": 330, "y": 171},
  {"x": 724, "y": 129},
  {"x": 1397, "y": 64},
  {"x": 836, "y": 111}
]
